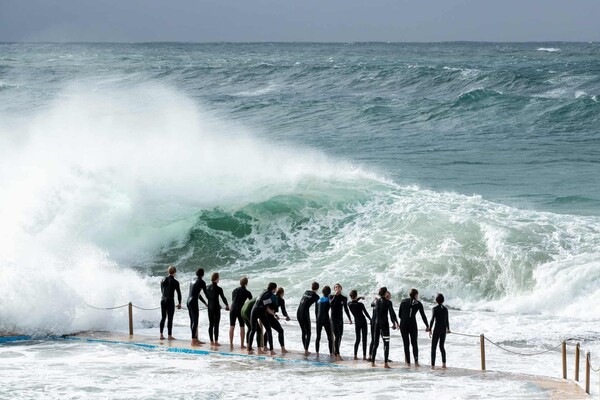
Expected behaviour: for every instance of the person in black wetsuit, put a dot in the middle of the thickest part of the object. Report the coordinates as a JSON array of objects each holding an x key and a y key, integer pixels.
[
  {"x": 323, "y": 321},
  {"x": 383, "y": 308},
  {"x": 373, "y": 328},
  {"x": 196, "y": 288},
  {"x": 213, "y": 292},
  {"x": 409, "y": 308},
  {"x": 274, "y": 319},
  {"x": 263, "y": 306},
  {"x": 359, "y": 312},
  {"x": 168, "y": 287},
  {"x": 238, "y": 298},
  {"x": 439, "y": 326},
  {"x": 339, "y": 304},
  {"x": 309, "y": 298}
]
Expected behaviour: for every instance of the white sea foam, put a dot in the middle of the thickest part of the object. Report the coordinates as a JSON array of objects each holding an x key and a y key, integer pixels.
[{"x": 549, "y": 49}]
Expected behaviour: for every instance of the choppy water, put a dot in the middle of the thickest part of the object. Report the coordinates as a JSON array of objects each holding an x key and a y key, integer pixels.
[{"x": 466, "y": 168}]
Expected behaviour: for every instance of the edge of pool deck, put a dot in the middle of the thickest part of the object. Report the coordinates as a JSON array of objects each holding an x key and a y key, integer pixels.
[{"x": 555, "y": 388}]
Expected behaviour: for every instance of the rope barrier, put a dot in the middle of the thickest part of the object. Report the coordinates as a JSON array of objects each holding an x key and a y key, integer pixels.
[
  {"x": 146, "y": 309},
  {"x": 107, "y": 308},
  {"x": 523, "y": 354},
  {"x": 594, "y": 369},
  {"x": 464, "y": 334}
]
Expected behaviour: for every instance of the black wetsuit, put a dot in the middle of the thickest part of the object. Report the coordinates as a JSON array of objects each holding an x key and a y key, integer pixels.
[
  {"x": 373, "y": 327},
  {"x": 303, "y": 315},
  {"x": 238, "y": 298},
  {"x": 339, "y": 304},
  {"x": 213, "y": 292},
  {"x": 275, "y": 325},
  {"x": 359, "y": 312},
  {"x": 383, "y": 308},
  {"x": 259, "y": 313},
  {"x": 440, "y": 324},
  {"x": 246, "y": 315},
  {"x": 196, "y": 288},
  {"x": 323, "y": 322},
  {"x": 168, "y": 287},
  {"x": 408, "y": 326}
]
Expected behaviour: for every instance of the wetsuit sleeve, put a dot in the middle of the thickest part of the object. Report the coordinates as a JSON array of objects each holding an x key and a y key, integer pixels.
[
  {"x": 203, "y": 289},
  {"x": 392, "y": 313},
  {"x": 347, "y": 310},
  {"x": 200, "y": 296},
  {"x": 433, "y": 316},
  {"x": 316, "y": 308},
  {"x": 364, "y": 310},
  {"x": 249, "y": 295},
  {"x": 178, "y": 292},
  {"x": 447, "y": 320},
  {"x": 283, "y": 310},
  {"x": 422, "y": 312},
  {"x": 223, "y": 296}
]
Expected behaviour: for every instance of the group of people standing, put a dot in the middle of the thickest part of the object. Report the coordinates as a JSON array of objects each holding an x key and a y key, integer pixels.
[{"x": 258, "y": 317}]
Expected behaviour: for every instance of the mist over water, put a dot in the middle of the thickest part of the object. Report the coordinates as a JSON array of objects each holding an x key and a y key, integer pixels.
[{"x": 466, "y": 169}]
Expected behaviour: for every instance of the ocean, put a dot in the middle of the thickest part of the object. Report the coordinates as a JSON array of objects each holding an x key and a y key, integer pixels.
[{"x": 471, "y": 169}]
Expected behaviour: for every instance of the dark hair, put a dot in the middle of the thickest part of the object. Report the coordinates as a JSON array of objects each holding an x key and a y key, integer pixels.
[
  {"x": 200, "y": 272},
  {"x": 315, "y": 286},
  {"x": 382, "y": 291},
  {"x": 439, "y": 298},
  {"x": 272, "y": 285},
  {"x": 244, "y": 281},
  {"x": 413, "y": 292},
  {"x": 326, "y": 290},
  {"x": 280, "y": 291},
  {"x": 353, "y": 294},
  {"x": 214, "y": 277}
]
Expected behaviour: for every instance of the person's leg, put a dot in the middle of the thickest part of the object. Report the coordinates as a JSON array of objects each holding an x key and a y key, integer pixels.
[
  {"x": 364, "y": 341},
  {"x": 242, "y": 330},
  {"x": 375, "y": 345},
  {"x": 170, "y": 314},
  {"x": 211, "y": 326},
  {"x": 232, "y": 321},
  {"x": 373, "y": 329},
  {"x": 318, "y": 339},
  {"x": 276, "y": 326},
  {"x": 217, "y": 323},
  {"x": 414, "y": 343},
  {"x": 194, "y": 313},
  {"x": 405, "y": 341},
  {"x": 385, "y": 335},
  {"x": 338, "y": 332},
  {"x": 434, "y": 342},
  {"x": 268, "y": 332},
  {"x": 163, "y": 317},
  {"x": 307, "y": 329},
  {"x": 327, "y": 328},
  {"x": 357, "y": 332},
  {"x": 253, "y": 331},
  {"x": 443, "y": 348}
]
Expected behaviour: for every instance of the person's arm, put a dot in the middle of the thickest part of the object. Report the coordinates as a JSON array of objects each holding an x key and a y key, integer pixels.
[
  {"x": 422, "y": 312},
  {"x": 447, "y": 321},
  {"x": 364, "y": 310},
  {"x": 283, "y": 310},
  {"x": 223, "y": 298},
  {"x": 200, "y": 295},
  {"x": 203, "y": 287},
  {"x": 347, "y": 310},
  {"x": 178, "y": 295},
  {"x": 316, "y": 309},
  {"x": 393, "y": 314},
  {"x": 249, "y": 297},
  {"x": 432, "y": 320}
]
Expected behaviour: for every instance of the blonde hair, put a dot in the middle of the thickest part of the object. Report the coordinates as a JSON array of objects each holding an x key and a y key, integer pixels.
[{"x": 171, "y": 270}]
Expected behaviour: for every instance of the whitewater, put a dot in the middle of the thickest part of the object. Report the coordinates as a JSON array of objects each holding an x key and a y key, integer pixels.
[{"x": 474, "y": 174}]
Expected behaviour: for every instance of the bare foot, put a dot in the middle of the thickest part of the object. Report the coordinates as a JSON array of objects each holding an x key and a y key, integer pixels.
[
  {"x": 306, "y": 353},
  {"x": 365, "y": 359},
  {"x": 171, "y": 338},
  {"x": 339, "y": 358},
  {"x": 201, "y": 342},
  {"x": 217, "y": 344},
  {"x": 161, "y": 337},
  {"x": 231, "y": 346},
  {"x": 195, "y": 342},
  {"x": 272, "y": 353},
  {"x": 261, "y": 351},
  {"x": 444, "y": 366},
  {"x": 241, "y": 347},
  {"x": 355, "y": 358},
  {"x": 250, "y": 351},
  {"x": 386, "y": 366},
  {"x": 417, "y": 364},
  {"x": 433, "y": 367},
  {"x": 284, "y": 351},
  {"x": 372, "y": 364}
]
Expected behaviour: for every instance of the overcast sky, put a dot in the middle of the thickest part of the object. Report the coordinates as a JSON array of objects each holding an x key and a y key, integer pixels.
[{"x": 299, "y": 20}]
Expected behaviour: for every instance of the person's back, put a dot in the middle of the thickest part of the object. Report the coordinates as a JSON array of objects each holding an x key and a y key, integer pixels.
[
  {"x": 360, "y": 314},
  {"x": 309, "y": 298},
  {"x": 409, "y": 308},
  {"x": 358, "y": 311},
  {"x": 213, "y": 293},
  {"x": 238, "y": 298},
  {"x": 323, "y": 321},
  {"x": 381, "y": 314},
  {"x": 440, "y": 326},
  {"x": 196, "y": 288},
  {"x": 168, "y": 287},
  {"x": 323, "y": 307}
]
